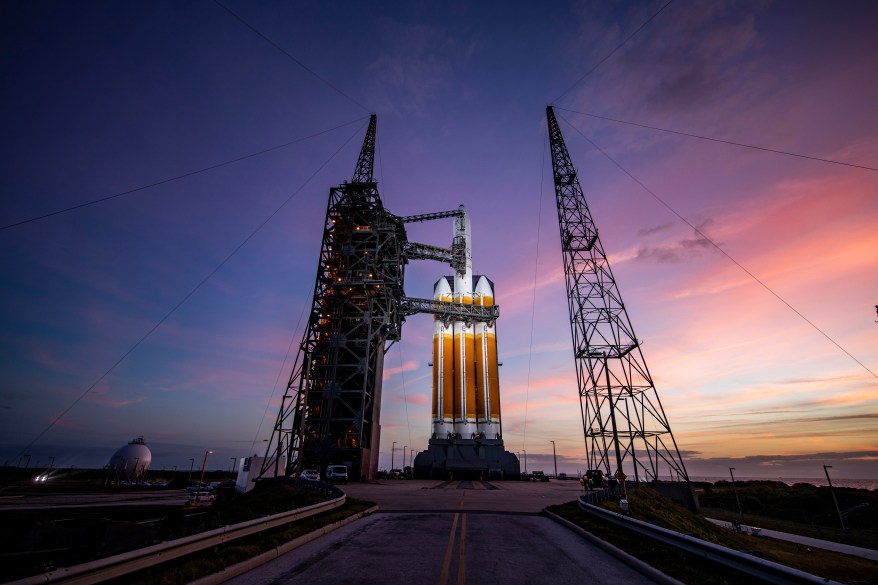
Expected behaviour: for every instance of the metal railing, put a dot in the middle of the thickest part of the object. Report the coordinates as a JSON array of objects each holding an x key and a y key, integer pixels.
[
  {"x": 740, "y": 561},
  {"x": 125, "y": 563}
]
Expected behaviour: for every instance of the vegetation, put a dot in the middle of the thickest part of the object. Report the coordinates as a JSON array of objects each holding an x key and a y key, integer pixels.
[
  {"x": 199, "y": 565},
  {"x": 645, "y": 504},
  {"x": 802, "y": 509},
  {"x": 41, "y": 540}
]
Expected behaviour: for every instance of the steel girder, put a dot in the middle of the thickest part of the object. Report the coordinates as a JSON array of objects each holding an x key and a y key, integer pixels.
[{"x": 624, "y": 425}]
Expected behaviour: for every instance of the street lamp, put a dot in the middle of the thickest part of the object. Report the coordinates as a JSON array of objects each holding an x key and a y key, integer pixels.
[
  {"x": 525, "y": 460},
  {"x": 404, "y": 447},
  {"x": 203, "y": 466},
  {"x": 28, "y": 460},
  {"x": 232, "y": 465},
  {"x": 832, "y": 491},
  {"x": 555, "y": 459},
  {"x": 392, "y": 451},
  {"x": 191, "y": 465},
  {"x": 735, "y": 488}
]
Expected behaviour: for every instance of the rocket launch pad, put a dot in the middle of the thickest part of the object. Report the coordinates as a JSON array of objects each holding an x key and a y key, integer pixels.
[{"x": 466, "y": 434}]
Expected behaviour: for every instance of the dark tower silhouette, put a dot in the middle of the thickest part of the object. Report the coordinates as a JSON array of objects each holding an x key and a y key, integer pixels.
[
  {"x": 332, "y": 402},
  {"x": 624, "y": 424}
]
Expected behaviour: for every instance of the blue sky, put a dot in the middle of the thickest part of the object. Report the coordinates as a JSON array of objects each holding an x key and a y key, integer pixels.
[{"x": 100, "y": 99}]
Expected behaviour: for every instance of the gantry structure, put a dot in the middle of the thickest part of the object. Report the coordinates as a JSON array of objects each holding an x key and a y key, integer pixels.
[
  {"x": 624, "y": 425},
  {"x": 330, "y": 411}
]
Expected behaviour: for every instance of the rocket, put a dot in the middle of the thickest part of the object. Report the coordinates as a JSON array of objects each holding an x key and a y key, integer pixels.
[
  {"x": 466, "y": 391},
  {"x": 487, "y": 374}
]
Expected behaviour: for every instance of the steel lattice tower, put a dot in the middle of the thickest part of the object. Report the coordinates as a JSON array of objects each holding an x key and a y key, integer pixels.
[
  {"x": 333, "y": 397},
  {"x": 624, "y": 424}
]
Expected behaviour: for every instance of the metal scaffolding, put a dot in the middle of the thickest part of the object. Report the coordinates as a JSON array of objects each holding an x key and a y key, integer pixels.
[{"x": 624, "y": 424}]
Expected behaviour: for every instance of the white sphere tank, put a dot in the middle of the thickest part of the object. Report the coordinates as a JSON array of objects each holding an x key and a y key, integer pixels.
[{"x": 132, "y": 460}]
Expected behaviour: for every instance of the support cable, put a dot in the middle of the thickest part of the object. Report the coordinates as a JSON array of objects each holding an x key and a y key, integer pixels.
[
  {"x": 723, "y": 252},
  {"x": 405, "y": 400},
  {"x": 178, "y": 177},
  {"x": 690, "y": 135},
  {"x": 619, "y": 46},
  {"x": 279, "y": 373},
  {"x": 204, "y": 280},
  {"x": 533, "y": 300},
  {"x": 290, "y": 57}
]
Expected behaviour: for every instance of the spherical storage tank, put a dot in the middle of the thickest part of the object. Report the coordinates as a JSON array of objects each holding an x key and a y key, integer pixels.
[{"x": 131, "y": 461}]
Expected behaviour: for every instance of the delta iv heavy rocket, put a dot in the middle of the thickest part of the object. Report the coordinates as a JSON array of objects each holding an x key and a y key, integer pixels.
[{"x": 466, "y": 388}]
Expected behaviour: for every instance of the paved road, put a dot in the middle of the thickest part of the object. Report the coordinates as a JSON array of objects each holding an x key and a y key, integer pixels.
[{"x": 452, "y": 544}]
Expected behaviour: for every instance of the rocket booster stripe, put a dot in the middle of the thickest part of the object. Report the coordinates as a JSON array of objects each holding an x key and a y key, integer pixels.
[{"x": 443, "y": 383}]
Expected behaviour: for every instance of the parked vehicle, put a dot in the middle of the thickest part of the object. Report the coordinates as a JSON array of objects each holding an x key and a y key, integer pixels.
[
  {"x": 593, "y": 478},
  {"x": 539, "y": 476},
  {"x": 311, "y": 474},
  {"x": 202, "y": 498},
  {"x": 337, "y": 473}
]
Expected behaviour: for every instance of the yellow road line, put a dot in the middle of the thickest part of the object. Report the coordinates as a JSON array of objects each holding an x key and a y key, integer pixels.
[
  {"x": 443, "y": 577},
  {"x": 461, "y": 566}
]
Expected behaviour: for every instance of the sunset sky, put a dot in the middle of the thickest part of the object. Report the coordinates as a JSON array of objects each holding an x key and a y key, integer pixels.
[{"x": 765, "y": 355}]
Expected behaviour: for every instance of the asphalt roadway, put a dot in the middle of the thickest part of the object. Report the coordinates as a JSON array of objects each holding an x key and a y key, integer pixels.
[{"x": 451, "y": 533}]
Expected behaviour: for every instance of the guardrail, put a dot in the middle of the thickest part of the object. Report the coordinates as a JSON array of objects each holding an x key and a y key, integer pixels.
[
  {"x": 743, "y": 562},
  {"x": 125, "y": 563}
]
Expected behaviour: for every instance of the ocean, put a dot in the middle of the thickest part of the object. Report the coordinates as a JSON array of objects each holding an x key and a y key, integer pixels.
[{"x": 862, "y": 484}]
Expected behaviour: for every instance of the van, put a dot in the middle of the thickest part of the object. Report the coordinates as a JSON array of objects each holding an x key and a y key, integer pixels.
[{"x": 337, "y": 473}]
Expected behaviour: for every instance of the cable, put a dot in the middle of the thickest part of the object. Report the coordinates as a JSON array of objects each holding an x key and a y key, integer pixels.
[
  {"x": 289, "y": 56},
  {"x": 189, "y": 294},
  {"x": 611, "y": 53},
  {"x": 277, "y": 379},
  {"x": 762, "y": 148},
  {"x": 723, "y": 252},
  {"x": 533, "y": 301},
  {"x": 405, "y": 400},
  {"x": 177, "y": 178}
]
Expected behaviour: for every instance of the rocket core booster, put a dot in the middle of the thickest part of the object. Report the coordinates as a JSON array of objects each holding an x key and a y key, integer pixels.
[{"x": 466, "y": 390}]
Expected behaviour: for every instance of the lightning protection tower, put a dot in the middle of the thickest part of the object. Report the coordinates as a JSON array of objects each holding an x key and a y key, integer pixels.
[{"x": 625, "y": 428}]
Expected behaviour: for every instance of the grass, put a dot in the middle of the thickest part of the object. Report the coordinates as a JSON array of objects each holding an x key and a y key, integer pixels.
[
  {"x": 647, "y": 505},
  {"x": 274, "y": 499}
]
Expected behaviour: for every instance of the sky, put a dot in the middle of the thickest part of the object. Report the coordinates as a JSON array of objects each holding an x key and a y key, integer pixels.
[{"x": 173, "y": 310}]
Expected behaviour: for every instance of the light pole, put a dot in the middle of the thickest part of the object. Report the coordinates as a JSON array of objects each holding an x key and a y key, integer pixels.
[
  {"x": 737, "y": 499},
  {"x": 404, "y": 447},
  {"x": 555, "y": 459},
  {"x": 28, "y": 460},
  {"x": 51, "y": 463},
  {"x": 232, "y": 466},
  {"x": 203, "y": 466},
  {"x": 525, "y": 460},
  {"x": 191, "y": 465},
  {"x": 832, "y": 491},
  {"x": 392, "y": 451}
]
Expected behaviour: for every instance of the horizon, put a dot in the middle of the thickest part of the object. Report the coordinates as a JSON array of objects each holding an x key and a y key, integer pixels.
[{"x": 167, "y": 310}]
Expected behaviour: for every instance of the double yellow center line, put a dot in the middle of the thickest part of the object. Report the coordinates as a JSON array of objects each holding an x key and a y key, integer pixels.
[{"x": 449, "y": 552}]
